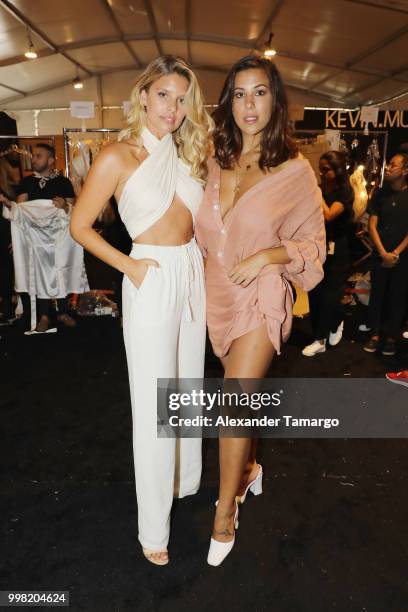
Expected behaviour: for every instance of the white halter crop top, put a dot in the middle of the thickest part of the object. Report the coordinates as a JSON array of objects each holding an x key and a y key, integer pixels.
[{"x": 150, "y": 189}]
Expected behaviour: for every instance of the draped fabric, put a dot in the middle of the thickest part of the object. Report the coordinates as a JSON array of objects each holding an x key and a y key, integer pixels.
[
  {"x": 150, "y": 190},
  {"x": 48, "y": 263},
  {"x": 283, "y": 209}
]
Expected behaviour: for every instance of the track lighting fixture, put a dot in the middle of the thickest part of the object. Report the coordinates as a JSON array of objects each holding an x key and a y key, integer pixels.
[{"x": 31, "y": 52}]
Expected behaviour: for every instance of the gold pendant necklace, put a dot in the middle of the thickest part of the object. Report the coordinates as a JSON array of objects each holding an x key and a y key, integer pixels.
[{"x": 239, "y": 176}]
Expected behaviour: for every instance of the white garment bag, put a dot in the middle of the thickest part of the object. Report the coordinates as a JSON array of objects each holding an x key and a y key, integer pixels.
[{"x": 48, "y": 263}]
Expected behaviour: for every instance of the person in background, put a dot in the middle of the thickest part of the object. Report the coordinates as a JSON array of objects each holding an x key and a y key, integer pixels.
[
  {"x": 388, "y": 227},
  {"x": 46, "y": 183},
  {"x": 404, "y": 149},
  {"x": 6, "y": 258},
  {"x": 115, "y": 232},
  {"x": 325, "y": 300}
]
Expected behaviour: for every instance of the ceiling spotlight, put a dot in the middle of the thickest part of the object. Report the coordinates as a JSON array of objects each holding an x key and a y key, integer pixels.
[
  {"x": 77, "y": 83},
  {"x": 269, "y": 50},
  {"x": 31, "y": 52}
]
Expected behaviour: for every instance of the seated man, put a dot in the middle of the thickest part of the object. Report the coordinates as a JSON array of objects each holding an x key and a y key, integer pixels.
[{"x": 47, "y": 261}]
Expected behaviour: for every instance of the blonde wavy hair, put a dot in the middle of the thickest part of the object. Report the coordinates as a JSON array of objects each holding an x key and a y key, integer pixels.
[{"x": 192, "y": 138}]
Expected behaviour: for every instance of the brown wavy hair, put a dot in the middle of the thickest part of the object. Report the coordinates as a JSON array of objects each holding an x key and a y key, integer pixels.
[{"x": 277, "y": 145}]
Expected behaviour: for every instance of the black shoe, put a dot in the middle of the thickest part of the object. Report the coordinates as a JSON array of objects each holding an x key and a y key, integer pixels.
[
  {"x": 372, "y": 345},
  {"x": 389, "y": 347},
  {"x": 22, "y": 325}
]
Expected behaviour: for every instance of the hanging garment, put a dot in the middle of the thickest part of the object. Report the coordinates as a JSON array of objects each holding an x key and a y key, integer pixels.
[
  {"x": 358, "y": 183},
  {"x": 48, "y": 263},
  {"x": 81, "y": 163},
  {"x": 373, "y": 158}
]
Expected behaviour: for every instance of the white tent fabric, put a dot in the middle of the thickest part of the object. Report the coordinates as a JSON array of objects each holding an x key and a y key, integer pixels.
[{"x": 330, "y": 52}]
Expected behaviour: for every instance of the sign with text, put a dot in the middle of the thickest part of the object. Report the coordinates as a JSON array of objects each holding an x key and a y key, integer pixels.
[
  {"x": 83, "y": 110},
  {"x": 343, "y": 120}
]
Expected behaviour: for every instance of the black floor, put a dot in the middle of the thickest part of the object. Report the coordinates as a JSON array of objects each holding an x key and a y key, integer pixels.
[{"x": 329, "y": 533}]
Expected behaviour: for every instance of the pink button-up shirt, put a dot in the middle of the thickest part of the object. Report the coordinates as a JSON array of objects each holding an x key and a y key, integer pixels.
[{"x": 283, "y": 209}]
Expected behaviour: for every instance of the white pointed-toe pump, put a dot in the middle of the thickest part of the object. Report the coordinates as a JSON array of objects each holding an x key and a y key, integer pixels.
[{"x": 220, "y": 550}]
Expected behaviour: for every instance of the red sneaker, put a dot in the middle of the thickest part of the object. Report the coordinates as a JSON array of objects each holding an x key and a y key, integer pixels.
[{"x": 400, "y": 378}]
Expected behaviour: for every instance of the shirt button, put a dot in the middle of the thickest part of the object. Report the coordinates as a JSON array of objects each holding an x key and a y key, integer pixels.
[
  {"x": 216, "y": 185},
  {"x": 219, "y": 254},
  {"x": 216, "y": 206},
  {"x": 223, "y": 231}
]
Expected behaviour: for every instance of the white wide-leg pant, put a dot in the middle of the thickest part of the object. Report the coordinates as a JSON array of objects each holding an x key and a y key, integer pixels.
[{"x": 164, "y": 333}]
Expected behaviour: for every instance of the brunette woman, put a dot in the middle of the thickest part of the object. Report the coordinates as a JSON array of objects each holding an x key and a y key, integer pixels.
[
  {"x": 325, "y": 300},
  {"x": 260, "y": 227}
]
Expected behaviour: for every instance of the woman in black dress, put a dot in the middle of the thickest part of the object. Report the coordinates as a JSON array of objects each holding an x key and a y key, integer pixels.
[{"x": 325, "y": 301}]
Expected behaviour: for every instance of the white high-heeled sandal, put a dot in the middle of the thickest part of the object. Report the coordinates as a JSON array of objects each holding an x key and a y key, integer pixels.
[
  {"x": 255, "y": 486},
  {"x": 157, "y": 557},
  {"x": 220, "y": 550}
]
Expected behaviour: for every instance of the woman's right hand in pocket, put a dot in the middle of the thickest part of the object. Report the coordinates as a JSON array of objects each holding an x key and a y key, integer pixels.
[{"x": 137, "y": 270}]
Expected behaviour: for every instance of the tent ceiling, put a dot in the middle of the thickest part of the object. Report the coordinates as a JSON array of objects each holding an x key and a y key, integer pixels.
[{"x": 347, "y": 52}]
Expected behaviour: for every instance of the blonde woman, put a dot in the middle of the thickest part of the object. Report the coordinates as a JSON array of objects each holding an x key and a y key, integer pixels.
[{"x": 156, "y": 172}]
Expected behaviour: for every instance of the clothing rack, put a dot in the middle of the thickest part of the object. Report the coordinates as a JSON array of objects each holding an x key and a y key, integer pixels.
[
  {"x": 372, "y": 133},
  {"x": 67, "y": 131}
]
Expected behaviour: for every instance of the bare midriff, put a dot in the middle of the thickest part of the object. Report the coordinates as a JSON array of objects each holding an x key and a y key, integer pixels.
[{"x": 174, "y": 228}]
